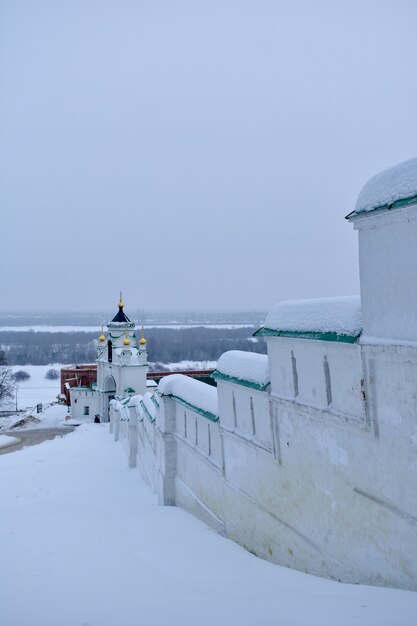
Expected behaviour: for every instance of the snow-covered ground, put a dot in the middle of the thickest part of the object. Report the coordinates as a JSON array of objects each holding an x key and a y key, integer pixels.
[
  {"x": 52, "y": 416},
  {"x": 38, "y": 388},
  {"x": 5, "y": 442},
  {"x": 83, "y": 542}
]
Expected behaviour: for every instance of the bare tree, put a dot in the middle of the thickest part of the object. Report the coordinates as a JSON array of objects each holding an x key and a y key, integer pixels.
[
  {"x": 7, "y": 385},
  {"x": 3, "y": 360}
]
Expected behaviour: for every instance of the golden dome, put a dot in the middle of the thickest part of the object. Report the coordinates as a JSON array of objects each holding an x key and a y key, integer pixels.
[
  {"x": 102, "y": 337},
  {"x": 142, "y": 340},
  {"x": 126, "y": 341}
]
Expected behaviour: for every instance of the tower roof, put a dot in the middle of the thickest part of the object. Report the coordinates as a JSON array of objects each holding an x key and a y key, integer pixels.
[{"x": 121, "y": 316}]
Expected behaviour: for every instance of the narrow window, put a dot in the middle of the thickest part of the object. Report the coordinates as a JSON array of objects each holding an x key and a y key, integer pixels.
[
  {"x": 234, "y": 410},
  {"x": 86, "y": 410},
  {"x": 327, "y": 381},
  {"x": 109, "y": 351},
  {"x": 252, "y": 414},
  {"x": 294, "y": 373}
]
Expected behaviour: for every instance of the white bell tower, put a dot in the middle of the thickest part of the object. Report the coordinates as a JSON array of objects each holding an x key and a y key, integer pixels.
[{"x": 122, "y": 362}]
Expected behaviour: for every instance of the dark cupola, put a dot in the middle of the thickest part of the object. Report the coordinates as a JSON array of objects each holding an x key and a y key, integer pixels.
[{"x": 121, "y": 316}]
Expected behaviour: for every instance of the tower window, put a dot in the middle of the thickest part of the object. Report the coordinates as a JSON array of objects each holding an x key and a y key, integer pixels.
[{"x": 86, "y": 410}]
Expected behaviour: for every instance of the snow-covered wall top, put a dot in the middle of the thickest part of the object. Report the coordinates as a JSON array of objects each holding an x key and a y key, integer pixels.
[
  {"x": 395, "y": 183},
  {"x": 339, "y": 316},
  {"x": 191, "y": 391},
  {"x": 243, "y": 366},
  {"x": 149, "y": 405},
  {"x": 136, "y": 403}
]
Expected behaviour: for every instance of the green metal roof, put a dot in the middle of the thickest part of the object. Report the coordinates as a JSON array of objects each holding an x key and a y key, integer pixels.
[
  {"x": 385, "y": 207},
  {"x": 148, "y": 415},
  {"x": 197, "y": 409},
  {"x": 295, "y": 334},
  {"x": 239, "y": 381}
]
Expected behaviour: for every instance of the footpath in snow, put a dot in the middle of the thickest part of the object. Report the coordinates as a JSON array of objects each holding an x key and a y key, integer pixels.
[{"x": 84, "y": 543}]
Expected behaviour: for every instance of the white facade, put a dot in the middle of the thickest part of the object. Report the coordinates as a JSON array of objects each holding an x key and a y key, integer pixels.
[
  {"x": 388, "y": 268},
  {"x": 315, "y": 466},
  {"x": 122, "y": 367}
]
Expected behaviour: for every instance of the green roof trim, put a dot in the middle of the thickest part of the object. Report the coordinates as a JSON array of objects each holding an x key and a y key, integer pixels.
[
  {"x": 197, "y": 409},
  {"x": 129, "y": 390},
  {"x": 295, "y": 334},
  {"x": 148, "y": 415},
  {"x": 384, "y": 207},
  {"x": 239, "y": 381}
]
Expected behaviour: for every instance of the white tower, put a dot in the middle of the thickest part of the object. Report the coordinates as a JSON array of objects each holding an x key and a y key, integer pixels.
[{"x": 122, "y": 363}]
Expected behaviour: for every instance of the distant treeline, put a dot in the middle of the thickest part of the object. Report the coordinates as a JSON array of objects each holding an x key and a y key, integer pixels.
[
  {"x": 165, "y": 345},
  {"x": 139, "y": 316}
]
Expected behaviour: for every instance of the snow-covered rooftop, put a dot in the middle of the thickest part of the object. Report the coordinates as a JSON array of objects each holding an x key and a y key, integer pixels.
[
  {"x": 339, "y": 316},
  {"x": 389, "y": 186},
  {"x": 193, "y": 391},
  {"x": 134, "y": 401},
  {"x": 245, "y": 366},
  {"x": 148, "y": 405}
]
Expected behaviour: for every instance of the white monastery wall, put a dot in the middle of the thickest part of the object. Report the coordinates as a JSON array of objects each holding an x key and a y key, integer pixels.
[
  {"x": 320, "y": 374},
  {"x": 80, "y": 399},
  {"x": 315, "y": 488},
  {"x": 388, "y": 265},
  {"x": 308, "y": 457}
]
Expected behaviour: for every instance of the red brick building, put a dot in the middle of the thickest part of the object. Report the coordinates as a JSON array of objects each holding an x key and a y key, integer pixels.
[{"x": 77, "y": 376}]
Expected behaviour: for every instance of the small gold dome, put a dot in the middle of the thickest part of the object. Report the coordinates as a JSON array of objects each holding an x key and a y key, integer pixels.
[
  {"x": 126, "y": 341},
  {"x": 142, "y": 340},
  {"x": 102, "y": 337}
]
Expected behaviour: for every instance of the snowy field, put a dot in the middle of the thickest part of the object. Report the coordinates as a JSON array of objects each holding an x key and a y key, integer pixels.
[
  {"x": 52, "y": 416},
  {"x": 83, "y": 542},
  {"x": 37, "y": 388}
]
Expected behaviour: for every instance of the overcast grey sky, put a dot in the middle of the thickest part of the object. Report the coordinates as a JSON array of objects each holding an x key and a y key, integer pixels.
[{"x": 195, "y": 154}]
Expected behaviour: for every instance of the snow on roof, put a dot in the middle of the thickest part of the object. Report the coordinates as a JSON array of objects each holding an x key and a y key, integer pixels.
[
  {"x": 149, "y": 406},
  {"x": 395, "y": 183},
  {"x": 134, "y": 401},
  {"x": 341, "y": 316},
  {"x": 248, "y": 366},
  {"x": 192, "y": 391}
]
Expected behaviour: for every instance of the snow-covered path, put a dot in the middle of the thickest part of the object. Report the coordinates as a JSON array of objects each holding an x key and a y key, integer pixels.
[{"x": 83, "y": 543}]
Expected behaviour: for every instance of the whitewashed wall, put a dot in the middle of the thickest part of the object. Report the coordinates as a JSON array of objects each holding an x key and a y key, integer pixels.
[
  {"x": 388, "y": 270},
  {"x": 325, "y": 487},
  {"x": 80, "y": 398},
  {"x": 321, "y": 374}
]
